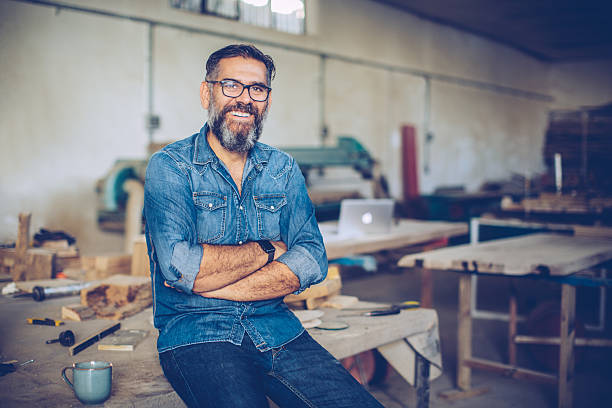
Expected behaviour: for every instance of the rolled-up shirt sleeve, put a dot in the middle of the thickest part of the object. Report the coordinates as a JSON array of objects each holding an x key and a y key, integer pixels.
[
  {"x": 171, "y": 218},
  {"x": 305, "y": 254}
]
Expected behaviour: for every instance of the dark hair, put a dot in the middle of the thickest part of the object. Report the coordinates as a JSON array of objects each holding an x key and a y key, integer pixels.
[{"x": 238, "y": 50}]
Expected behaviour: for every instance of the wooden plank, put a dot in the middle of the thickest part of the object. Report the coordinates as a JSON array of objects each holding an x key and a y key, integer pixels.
[
  {"x": 39, "y": 264},
  {"x": 366, "y": 333},
  {"x": 18, "y": 272},
  {"x": 140, "y": 258},
  {"x": 103, "y": 266},
  {"x": 510, "y": 371},
  {"x": 426, "y": 287},
  {"x": 456, "y": 395},
  {"x": 555, "y": 341},
  {"x": 464, "y": 333},
  {"x": 77, "y": 312},
  {"x": 123, "y": 340},
  {"x": 404, "y": 233},
  {"x": 566, "y": 348},
  {"x": 557, "y": 255},
  {"x": 512, "y": 329}
]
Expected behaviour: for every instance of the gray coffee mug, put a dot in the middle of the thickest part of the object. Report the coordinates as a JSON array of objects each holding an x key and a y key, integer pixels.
[{"x": 92, "y": 381}]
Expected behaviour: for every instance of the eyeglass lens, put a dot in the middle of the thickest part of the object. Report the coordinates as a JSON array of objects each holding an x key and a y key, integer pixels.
[{"x": 234, "y": 89}]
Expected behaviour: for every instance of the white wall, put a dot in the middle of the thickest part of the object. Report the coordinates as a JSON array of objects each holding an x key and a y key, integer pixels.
[{"x": 75, "y": 97}]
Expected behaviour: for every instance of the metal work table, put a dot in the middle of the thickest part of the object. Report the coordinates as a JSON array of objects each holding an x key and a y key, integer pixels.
[
  {"x": 137, "y": 376},
  {"x": 557, "y": 258}
]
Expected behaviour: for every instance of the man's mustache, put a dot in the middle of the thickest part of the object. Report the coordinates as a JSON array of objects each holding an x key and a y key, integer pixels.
[{"x": 240, "y": 107}]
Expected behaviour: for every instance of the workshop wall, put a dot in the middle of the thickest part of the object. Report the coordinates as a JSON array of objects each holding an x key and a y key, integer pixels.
[{"x": 75, "y": 97}]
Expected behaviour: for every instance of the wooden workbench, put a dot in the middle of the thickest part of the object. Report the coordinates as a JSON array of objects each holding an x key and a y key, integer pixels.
[
  {"x": 548, "y": 256},
  {"x": 403, "y": 233},
  {"x": 138, "y": 380}
]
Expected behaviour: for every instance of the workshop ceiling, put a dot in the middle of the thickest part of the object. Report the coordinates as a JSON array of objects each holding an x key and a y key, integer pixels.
[{"x": 561, "y": 30}]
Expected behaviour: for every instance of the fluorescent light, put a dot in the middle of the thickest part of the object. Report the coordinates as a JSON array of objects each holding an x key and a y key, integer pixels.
[
  {"x": 256, "y": 3},
  {"x": 287, "y": 6}
]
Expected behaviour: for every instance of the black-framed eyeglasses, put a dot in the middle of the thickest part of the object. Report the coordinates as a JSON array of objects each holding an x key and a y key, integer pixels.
[{"x": 233, "y": 89}]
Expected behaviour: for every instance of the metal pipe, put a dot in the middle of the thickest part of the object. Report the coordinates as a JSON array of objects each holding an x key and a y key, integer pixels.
[{"x": 149, "y": 65}]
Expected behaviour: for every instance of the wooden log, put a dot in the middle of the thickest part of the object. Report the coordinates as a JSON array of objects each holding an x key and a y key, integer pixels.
[{"x": 118, "y": 296}]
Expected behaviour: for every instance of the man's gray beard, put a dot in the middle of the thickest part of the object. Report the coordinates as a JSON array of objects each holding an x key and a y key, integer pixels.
[{"x": 241, "y": 141}]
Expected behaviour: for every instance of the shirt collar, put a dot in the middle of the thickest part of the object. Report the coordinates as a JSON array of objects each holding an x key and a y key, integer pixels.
[{"x": 203, "y": 153}]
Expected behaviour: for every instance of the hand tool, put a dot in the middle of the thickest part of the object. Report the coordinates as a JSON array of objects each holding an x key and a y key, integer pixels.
[
  {"x": 376, "y": 312},
  {"x": 66, "y": 339},
  {"x": 9, "y": 366},
  {"x": 409, "y": 304},
  {"x": 40, "y": 293},
  {"x": 45, "y": 322},
  {"x": 77, "y": 348}
]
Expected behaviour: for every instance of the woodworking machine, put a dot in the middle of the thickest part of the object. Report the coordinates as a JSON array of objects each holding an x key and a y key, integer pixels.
[{"x": 112, "y": 194}]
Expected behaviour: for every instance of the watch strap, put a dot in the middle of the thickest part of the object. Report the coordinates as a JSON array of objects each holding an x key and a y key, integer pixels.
[{"x": 268, "y": 248}]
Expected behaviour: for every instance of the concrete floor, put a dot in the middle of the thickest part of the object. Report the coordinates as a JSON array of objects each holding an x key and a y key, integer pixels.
[{"x": 593, "y": 381}]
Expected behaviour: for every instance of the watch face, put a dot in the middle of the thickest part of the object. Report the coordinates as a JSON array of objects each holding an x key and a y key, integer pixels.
[{"x": 266, "y": 246}]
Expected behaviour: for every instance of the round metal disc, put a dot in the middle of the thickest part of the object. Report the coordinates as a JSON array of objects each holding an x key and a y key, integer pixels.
[{"x": 332, "y": 325}]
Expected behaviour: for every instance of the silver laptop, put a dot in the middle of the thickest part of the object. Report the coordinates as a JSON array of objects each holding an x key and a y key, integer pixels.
[{"x": 365, "y": 216}]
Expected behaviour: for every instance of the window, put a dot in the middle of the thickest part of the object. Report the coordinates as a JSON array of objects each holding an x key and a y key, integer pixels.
[{"x": 281, "y": 15}]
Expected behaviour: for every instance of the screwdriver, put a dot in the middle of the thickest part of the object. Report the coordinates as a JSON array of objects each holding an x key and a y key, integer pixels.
[
  {"x": 392, "y": 310},
  {"x": 45, "y": 322}
]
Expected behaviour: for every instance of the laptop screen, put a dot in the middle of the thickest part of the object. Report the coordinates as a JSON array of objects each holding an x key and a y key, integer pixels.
[{"x": 365, "y": 216}]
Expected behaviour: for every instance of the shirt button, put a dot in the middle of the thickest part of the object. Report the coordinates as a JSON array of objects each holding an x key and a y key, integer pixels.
[
  {"x": 209, "y": 205},
  {"x": 241, "y": 208},
  {"x": 239, "y": 242},
  {"x": 271, "y": 207}
]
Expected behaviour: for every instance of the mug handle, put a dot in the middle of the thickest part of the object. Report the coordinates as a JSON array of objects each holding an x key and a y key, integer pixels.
[{"x": 66, "y": 378}]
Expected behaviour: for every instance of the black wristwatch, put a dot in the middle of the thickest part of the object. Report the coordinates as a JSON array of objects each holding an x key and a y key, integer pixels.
[{"x": 268, "y": 249}]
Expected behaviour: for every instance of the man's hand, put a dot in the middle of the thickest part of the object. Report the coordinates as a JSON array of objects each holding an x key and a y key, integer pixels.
[{"x": 279, "y": 247}]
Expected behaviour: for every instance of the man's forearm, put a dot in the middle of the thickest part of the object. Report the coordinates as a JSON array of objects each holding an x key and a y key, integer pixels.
[
  {"x": 223, "y": 265},
  {"x": 271, "y": 281}
]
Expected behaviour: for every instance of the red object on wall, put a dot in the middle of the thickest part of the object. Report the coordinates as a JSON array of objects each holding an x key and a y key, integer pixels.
[{"x": 410, "y": 177}]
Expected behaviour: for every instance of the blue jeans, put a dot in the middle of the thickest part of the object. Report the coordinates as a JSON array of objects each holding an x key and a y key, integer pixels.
[{"x": 298, "y": 374}]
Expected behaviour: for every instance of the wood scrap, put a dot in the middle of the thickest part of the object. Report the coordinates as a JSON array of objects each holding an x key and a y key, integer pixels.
[
  {"x": 123, "y": 340},
  {"x": 316, "y": 295},
  {"x": 19, "y": 270},
  {"x": 118, "y": 296},
  {"x": 340, "y": 301},
  {"x": 103, "y": 266},
  {"x": 140, "y": 258},
  {"x": 77, "y": 312}
]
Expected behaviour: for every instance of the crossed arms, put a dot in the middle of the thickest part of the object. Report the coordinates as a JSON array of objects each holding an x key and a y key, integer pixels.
[
  {"x": 232, "y": 272},
  {"x": 240, "y": 273}
]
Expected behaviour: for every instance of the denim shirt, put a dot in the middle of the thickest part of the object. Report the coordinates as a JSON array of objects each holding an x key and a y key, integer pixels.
[{"x": 191, "y": 199}]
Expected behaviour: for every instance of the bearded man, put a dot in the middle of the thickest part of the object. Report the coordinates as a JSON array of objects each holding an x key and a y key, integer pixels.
[{"x": 230, "y": 231}]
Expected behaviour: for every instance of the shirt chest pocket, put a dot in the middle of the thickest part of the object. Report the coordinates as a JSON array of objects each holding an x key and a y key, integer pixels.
[
  {"x": 211, "y": 211},
  {"x": 268, "y": 208}
]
